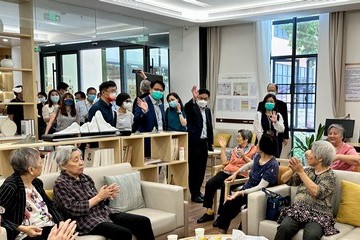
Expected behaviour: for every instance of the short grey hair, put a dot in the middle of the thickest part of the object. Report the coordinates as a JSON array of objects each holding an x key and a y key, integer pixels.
[
  {"x": 338, "y": 127},
  {"x": 23, "y": 158},
  {"x": 246, "y": 134},
  {"x": 325, "y": 150},
  {"x": 145, "y": 86},
  {"x": 63, "y": 154}
]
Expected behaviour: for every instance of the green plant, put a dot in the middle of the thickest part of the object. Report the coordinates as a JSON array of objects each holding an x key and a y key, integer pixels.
[{"x": 302, "y": 145}]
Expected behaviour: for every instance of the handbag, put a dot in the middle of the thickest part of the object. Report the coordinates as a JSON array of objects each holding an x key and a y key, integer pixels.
[{"x": 275, "y": 202}]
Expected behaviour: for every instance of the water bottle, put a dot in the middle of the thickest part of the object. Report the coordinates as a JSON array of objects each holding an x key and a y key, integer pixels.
[{"x": 181, "y": 153}]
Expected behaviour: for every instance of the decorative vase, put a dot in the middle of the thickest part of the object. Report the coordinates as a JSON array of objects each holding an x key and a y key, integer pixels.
[{"x": 7, "y": 62}]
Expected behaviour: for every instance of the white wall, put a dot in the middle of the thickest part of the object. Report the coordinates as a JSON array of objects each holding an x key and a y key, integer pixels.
[
  {"x": 353, "y": 56},
  {"x": 238, "y": 54},
  {"x": 184, "y": 61}
]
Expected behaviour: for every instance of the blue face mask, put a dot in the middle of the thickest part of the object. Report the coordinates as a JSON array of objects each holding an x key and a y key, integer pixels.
[
  {"x": 91, "y": 97},
  {"x": 68, "y": 102},
  {"x": 157, "y": 95},
  {"x": 269, "y": 106},
  {"x": 173, "y": 104},
  {"x": 55, "y": 98}
]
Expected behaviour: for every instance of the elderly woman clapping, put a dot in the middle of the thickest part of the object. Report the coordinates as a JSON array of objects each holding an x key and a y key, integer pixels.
[
  {"x": 311, "y": 209},
  {"x": 75, "y": 194},
  {"x": 29, "y": 213},
  {"x": 346, "y": 157}
]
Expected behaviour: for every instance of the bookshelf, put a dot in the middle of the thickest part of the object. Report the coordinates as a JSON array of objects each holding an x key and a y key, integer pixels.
[
  {"x": 162, "y": 144},
  {"x": 25, "y": 70}
]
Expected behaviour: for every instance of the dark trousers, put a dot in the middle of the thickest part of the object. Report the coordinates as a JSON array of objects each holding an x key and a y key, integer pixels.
[
  {"x": 123, "y": 226},
  {"x": 280, "y": 139},
  {"x": 212, "y": 185},
  {"x": 198, "y": 155},
  {"x": 230, "y": 210},
  {"x": 44, "y": 235},
  {"x": 289, "y": 227}
]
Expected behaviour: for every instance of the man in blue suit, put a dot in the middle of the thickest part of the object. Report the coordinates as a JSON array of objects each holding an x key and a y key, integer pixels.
[
  {"x": 149, "y": 112},
  {"x": 201, "y": 139}
]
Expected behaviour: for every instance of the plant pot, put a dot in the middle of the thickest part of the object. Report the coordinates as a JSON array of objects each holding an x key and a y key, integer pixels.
[{"x": 7, "y": 62}]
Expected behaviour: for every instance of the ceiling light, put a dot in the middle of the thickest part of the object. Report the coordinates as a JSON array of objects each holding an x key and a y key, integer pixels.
[
  {"x": 5, "y": 40},
  {"x": 198, "y": 3}
]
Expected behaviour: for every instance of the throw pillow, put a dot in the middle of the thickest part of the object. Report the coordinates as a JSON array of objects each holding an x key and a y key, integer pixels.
[
  {"x": 226, "y": 136},
  {"x": 130, "y": 195},
  {"x": 349, "y": 204}
]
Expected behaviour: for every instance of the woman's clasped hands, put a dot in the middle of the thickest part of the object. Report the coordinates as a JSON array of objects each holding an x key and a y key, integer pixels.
[{"x": 109, "y": 191}]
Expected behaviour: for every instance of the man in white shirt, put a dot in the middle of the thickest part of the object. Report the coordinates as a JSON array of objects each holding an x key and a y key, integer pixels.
[{"x": 84, "y": 104}]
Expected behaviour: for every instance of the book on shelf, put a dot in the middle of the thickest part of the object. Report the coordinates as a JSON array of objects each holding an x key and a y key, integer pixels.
[
  {"x": 174, "y": 149},
  {"x": 27, "y": 127},
  {"x": 127, "y": 154},
  {"x": 92, "y": 157},
  {"x": 107, "y": 156},
  {"x": 163, "y": 174},
  {"x": 49, "y": 164},
  {"x": 149, "y": 161}
]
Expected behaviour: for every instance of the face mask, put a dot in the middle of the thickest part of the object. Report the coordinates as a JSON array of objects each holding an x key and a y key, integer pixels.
[
  {"x": 127, "y": 105},
  {"x": 112, "y": 96},
  {"x": 173, "y": 103},
  {"x": 157, "y": 95},
  {"x": 55, "y": 99},
  {"x": 202, "y": 103},
  {"x": 68, "y": 102},
  {"x": 91, "y": 97},
  {"x": 269, "y": 106},
  {"x": 42, "y": 100}
]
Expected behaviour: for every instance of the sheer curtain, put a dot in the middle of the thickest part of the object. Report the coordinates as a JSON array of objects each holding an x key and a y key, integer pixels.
[
  {"x": 263, "y": 51},
  {"x": 213, "y": 63},
  {"x": 337, "y": 62}
]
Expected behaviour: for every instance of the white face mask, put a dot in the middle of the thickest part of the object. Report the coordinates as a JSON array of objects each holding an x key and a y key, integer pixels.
[
  {"x": 127, "y": 106},
  {"x": 202, "y": 103}
]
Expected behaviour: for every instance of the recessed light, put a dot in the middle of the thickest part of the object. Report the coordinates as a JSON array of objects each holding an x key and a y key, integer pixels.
[{"x": 5, "y": 40}]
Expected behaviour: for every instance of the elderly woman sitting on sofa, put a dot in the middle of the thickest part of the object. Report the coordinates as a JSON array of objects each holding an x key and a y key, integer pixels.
[
  {"x": 311, "y": 209},
  {"x": 75, "y": 194}
]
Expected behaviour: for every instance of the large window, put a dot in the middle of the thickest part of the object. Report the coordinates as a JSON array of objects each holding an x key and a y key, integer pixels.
[{"x": 294, "y": 63}]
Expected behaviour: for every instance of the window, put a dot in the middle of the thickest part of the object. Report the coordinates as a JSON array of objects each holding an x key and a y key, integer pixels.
[{"x": 294, "y": 62}]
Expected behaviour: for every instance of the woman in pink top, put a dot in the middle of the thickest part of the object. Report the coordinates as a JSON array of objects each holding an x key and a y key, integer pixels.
[
  {"x": 346, "y": 157},
  {"x": 239, "y": 156}
]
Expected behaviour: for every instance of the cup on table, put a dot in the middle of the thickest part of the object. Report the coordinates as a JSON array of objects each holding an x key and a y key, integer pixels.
[
  {"x": 172, "y": 237},
  {"x": 199, "y": 232}
]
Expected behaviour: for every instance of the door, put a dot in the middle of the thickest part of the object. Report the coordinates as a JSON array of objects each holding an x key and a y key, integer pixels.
[
  {"x": 48, "y": 72},
  {"x": 69, "y": 72}
]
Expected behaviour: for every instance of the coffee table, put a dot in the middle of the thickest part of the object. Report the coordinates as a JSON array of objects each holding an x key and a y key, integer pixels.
[{"x": 209, "y": 236}]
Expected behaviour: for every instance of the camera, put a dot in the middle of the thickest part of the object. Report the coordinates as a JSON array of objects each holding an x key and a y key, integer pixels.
[{"x": 136, "y": 70}]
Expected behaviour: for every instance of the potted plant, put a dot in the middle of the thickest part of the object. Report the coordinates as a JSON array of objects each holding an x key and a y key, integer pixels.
[{"x": 304, "y": 144}]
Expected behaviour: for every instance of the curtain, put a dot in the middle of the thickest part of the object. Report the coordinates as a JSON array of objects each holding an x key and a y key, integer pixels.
[
  {"x": 337, "y": 62},
  {"x": 263, "y": 51},
  {"x": 213, "y": 63}
]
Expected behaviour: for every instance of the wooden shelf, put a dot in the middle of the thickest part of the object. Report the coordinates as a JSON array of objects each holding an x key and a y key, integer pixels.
[
  {"x": 18, "y": 103},
  {"x": 4, "y": 69},
  {"x": 14, "y": 35}
]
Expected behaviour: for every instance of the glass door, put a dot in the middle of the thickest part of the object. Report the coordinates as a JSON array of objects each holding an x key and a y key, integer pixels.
[
  {"x": 159, "y": 64},
  {"x": 132, "y": 59},
  {"x": 69, "y": 72},
  {"x": 49, "y": 72}
]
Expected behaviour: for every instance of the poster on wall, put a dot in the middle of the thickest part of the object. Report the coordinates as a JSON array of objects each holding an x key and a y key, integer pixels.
[
  {"x": 237, "y": 96},
  {"x": 352, "y": 82}
]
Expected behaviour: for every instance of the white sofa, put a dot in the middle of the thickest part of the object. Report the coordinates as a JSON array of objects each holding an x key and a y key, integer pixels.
[
  {"x": 257, "y": 225},
  {"x": 164, "y": 204}
]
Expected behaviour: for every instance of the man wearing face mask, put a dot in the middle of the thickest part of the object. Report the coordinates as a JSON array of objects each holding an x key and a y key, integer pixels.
[
  {"x": 200, "y": 130},
  {"x": 108, "y": 94},
  {"x": 83, "y": 104},
  {"x": 149, "y": 112},
  {"x": 283, "y": 138}
]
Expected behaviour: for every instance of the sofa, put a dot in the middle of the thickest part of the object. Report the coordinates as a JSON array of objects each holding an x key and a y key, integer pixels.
[
  {"x": 164, "y": 204},
  {"x": 258, "y": 225}
]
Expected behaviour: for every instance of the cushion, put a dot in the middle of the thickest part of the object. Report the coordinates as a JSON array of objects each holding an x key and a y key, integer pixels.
[
  {"x": 50, "y": 194},
  {"x": 226, "y": 136},
  {"x": 349, "y": 204},
  {"x": 130, "y": 195}
]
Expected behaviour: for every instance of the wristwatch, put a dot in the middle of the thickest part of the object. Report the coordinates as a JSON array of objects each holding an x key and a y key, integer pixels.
[{"x": 179, "y": 113}]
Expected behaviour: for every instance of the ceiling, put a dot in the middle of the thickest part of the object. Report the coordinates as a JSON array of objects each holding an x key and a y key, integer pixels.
[
  {"x": 66, "y": 21},
  {"x": 215, "y": 12}
]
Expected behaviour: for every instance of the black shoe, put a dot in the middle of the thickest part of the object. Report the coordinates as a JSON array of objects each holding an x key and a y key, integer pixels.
[
  {"x": 205, "y": 218},
  {"x": 197, "y": 199},
  {"x": 216, "y": 222}
]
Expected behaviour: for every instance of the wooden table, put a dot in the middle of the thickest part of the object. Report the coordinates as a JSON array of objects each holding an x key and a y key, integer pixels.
[{"x": 210, "y": 237}]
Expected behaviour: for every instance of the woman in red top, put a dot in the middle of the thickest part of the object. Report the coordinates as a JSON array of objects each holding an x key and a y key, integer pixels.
[{"x": 239, "y": 156}]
